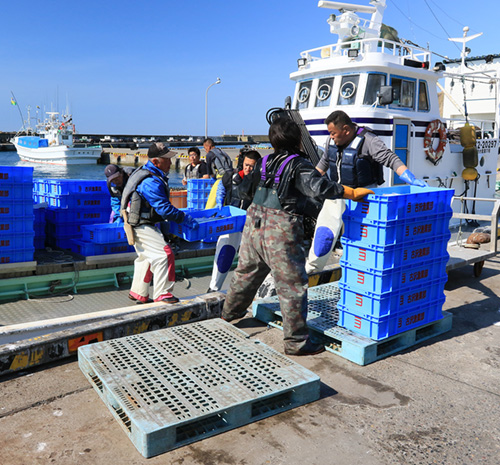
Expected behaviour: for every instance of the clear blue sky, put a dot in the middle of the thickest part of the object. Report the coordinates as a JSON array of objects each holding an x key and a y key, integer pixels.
[{"x": 128, "y": 67}]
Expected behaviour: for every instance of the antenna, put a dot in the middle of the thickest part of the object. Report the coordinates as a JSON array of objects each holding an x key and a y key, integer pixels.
[
  {"x": 14, "y": 100},
  {"x": 464, "y": 40}
]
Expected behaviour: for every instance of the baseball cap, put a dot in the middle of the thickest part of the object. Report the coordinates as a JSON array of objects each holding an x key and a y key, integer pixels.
[
  {"x": 112, "y": 172},
  {"x": 159, "y": 150}
]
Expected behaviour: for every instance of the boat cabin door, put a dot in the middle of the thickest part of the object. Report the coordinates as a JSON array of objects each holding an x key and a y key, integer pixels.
[{"x": 401, "y": 145}]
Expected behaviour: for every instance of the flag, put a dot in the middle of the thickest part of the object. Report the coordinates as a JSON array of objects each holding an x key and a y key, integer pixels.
[{"x": 13, "y": 102}]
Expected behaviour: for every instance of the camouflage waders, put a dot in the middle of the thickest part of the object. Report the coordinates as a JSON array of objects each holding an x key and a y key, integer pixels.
[{"x": 272, "y": 241}]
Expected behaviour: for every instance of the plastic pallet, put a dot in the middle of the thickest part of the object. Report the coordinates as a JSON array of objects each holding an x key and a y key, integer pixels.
[
  {"x": 322, "y": 321},
  {"x": 175, "y": 386}
]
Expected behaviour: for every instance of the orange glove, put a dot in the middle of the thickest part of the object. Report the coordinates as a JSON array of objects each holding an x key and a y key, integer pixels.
[{"x": 357, "y": 194}]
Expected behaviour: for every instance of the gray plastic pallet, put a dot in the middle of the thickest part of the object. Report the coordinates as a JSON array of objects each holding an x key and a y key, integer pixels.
[
  {"x": 175, "y": 386},
  {"x": 322, "y": 318}
]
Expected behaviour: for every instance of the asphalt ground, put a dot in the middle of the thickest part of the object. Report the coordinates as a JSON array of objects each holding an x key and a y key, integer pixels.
[{"x": 437, "y": 402}]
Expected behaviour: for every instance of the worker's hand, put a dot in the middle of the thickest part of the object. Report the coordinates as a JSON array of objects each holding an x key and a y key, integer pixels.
[
  {"x": 190, "y": 222},
  {"x": 356, "y": 194},
  {"x": 184, "y": 181},
  {"x": 220, "y": 195},
  {"x": 409, "y": 178}
]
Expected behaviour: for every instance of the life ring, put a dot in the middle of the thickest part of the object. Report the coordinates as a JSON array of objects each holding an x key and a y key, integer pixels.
[{"x": 435, "y": 155}]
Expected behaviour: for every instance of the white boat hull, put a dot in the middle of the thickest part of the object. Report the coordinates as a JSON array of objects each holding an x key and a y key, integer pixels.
[{"x": 60, "y": 155}]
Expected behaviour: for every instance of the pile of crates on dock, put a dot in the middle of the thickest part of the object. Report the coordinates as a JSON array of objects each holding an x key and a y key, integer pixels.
[
  {"x": 16, "y": 214},
  {"x": 198, "y": 191},
  {"x": 72, "y": 203},
  {"x": 394, "y": 260}
]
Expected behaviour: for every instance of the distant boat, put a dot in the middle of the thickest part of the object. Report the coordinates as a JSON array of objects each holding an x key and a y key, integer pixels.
[{"x": 52, "y": 143}]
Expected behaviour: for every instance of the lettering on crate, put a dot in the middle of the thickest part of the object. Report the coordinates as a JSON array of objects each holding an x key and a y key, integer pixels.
[
  {"x": 357, "y": 322},
  {"x": 359, "y": 300},
  {"x": 420, "y": 207},
  {"x": 4, "y": 227},
  {"x": 4, "y": 193},
  {"x": 225, "y": 227},
  {"x": 5, "y": 243},
  {"x": 93, "y": 189},
  {"x": 421, "y": 274},
  {"x": 362, "y": 255},
  {"x": 411, "y": 320},
  {"x": 4, "y": 175},
  {"x": 415, "y": 297},
  {"x": 5, "y": 260},
  {"x": 417, "y": 230},
  {"x": 364, "y": 230},
  {"x": 5, "y": 210},
  {"x": 365, "y": 207},
  {"x": 361, "y": 278}
]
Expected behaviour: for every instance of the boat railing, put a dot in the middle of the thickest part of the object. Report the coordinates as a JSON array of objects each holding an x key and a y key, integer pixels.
[
  {"x": 372, "y": 45},
  {"x": 485, "y": 126}
]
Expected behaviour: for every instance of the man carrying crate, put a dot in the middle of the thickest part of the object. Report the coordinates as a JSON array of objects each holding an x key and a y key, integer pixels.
[{"x": 145, "y": 202}]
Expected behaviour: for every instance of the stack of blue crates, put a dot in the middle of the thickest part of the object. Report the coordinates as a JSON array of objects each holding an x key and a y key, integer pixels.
[
  {"x": 394, "y": 260},
  {"x": 16, "y": 214},
  {"x": 39, "y": 226},
  {"x": 73, "y": 203},
  {"x": 102, "y": 239},
  {"x": 198, "y": 191}
]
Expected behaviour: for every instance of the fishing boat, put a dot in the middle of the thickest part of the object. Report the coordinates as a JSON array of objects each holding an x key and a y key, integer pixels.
[
  {"x": 391, "y": 86},
  {"x": 52, "y": 143}
]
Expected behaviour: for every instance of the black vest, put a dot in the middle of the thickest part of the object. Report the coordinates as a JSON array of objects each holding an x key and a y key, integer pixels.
[{"x": 355, "y": 170}]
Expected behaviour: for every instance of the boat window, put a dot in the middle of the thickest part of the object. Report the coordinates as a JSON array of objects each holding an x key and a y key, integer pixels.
[
  {"x": 423, "y": 99},
  {"x": 404, "y": 93},
  {"x": 303, "y": 95},
  {"x": 348, "y": 88},
  {"x": 324, "y": 92},
  {"x": 373, "y": 85}
]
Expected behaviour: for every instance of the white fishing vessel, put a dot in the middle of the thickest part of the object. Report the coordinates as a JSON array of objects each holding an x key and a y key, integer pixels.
[
  {"x": 52, "y": 143},
  {"x": 391, "y": 86}
]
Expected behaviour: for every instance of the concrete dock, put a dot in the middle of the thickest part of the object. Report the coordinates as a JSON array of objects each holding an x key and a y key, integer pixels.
[{"x": 436, "y": 402}]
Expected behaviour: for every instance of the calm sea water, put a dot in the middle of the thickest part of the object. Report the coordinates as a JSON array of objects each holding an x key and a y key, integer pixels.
[{"x": 42, "y": 171}]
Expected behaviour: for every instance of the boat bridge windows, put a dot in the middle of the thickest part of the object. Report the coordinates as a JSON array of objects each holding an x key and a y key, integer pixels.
[{"x": 362, "y": 89}]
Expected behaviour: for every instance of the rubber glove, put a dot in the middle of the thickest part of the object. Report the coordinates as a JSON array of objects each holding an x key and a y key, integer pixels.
[
  {"x": 357, "y": 194},
  {"x": 190, "y": 222},
  {"x": 409, "y": 178},
  {"x": 220, "y": 195}
]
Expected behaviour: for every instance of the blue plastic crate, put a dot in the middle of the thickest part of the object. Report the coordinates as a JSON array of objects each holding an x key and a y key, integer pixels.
[
  {"x": 17, "y": 256},
  {"x": 402, "y": 202},
  {"x": 39, "y": 228},
  {"x": 194, "y": 185},
  {"x": 67, "y": 215},
  {"x": 16, "y": 241},
  {"x": 11, "y": 208},
  {"x": 393, "y": 279},
  {"x": 75, "y": 186},
  {"x": 16, "y": 174},
  {"x": 79, "y": 201},
  {"x": 380, "y": 257},
  {"x": 380, "y": 328},
  {"x": 38, "y": 186},
  {"x": 395, "y": 231},
  {"x": 39, "y": 214},
  {"x": 90, "y": 248},
  {"x": 213, "y": 223},
  {"x": 103, "y": 233},
  {"x": 62, "y": 242},
  {"x": 10, "y": 226},
  {"x": 371, "y": 304},
  {"x": 64, "y": 229},
  {"x": 196, "y": 204},
  {"x": 16, "y": 191}
]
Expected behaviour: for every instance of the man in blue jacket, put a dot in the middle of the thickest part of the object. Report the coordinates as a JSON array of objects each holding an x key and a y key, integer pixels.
[{"x": 146, "y": 202}]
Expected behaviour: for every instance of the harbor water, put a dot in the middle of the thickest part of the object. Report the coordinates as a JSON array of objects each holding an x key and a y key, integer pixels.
[{"x": 89, "y": 172}]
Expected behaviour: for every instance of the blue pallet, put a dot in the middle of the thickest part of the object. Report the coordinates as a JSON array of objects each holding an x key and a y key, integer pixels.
[
  {"x": 75, "y": 186},
  {"x": 396, "y": 231},
  {"x": 84, "y": 201},
  {"x": 16, "y": 174},
  {"x": 15, "y": 225},
  {"x": 381, "y": 328},
  {"x": 377, "y": 305},
  {"x": 10, "y": 208},
  {"x": 379, "y": 257},
  {"x": 322, "y": 322},
  {"x": 213, "y": 223},
  {"x": 16, "y": 191},
  {"x": 103, "y": 233},
  {"x": 66, "y": 215},
  {"x": 172, "y": 387},
  {"x": 17, "y": 256},
  {"x": 402, "y": 202},
  {"x": 393, "y": 279}
]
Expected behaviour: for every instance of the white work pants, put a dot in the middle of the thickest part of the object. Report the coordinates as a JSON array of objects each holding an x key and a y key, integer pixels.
[
  {"x": 326, "y": 233},
  {"x": 227, "y": 246},
  {"x": 154, "y": 258}
]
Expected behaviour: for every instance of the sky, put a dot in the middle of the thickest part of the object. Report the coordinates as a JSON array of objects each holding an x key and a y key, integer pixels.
[{"x": 128, "y": 67}]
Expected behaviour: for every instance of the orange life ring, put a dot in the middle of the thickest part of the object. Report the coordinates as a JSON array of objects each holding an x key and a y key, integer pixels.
[{"x": 435, "y": 155}]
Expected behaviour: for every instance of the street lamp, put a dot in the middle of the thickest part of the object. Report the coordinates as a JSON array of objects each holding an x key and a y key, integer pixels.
[{"x": 206, "y": 106}]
